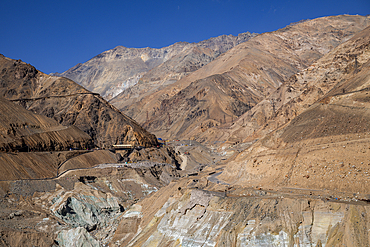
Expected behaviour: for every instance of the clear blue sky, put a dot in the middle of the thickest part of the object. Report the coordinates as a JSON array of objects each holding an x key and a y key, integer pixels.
[{"x": 54, "y": 35}]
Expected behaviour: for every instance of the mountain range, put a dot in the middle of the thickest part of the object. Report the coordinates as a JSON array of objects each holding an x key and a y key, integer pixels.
[
  {"x": 194, "y": 89},
  {"x": 113, "y": 71},
  {"x": 228, "y": 87},
  {"x": 268, "y": 136}
]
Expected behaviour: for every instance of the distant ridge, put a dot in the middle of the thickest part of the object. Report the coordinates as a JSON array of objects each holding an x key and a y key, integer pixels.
[
  {"x": 214, "y": 96},
  {"x": 115, "y": 70}
]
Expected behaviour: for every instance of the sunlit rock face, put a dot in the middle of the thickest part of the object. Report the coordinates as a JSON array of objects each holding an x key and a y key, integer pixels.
[
  {"x": 229, "y": 88},
  {"x": 202, "y": 218},
  {"x": 87, "y": 211},
  {"x": 76, "y": 237},
  {"x": 115, "y": 70}
]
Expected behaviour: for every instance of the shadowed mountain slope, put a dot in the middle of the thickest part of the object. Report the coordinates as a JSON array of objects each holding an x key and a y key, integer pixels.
[
  {"x": 24, "y": 138},
  {"x": 26, "y": 131},
  {"x": 69, "y": 104}
]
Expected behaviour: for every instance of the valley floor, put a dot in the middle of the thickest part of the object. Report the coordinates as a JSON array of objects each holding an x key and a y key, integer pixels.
[{"x": 153, "y": 204}]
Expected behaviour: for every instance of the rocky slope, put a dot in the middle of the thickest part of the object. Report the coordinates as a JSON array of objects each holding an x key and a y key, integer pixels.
[
  {"x": 69, "y": 104},
  {"x": 82, "y": 207},
  {"x": 96, "y": 206},
  {"x": 283, "y": 190},
  {"x": 298, "y": 177},
  {"x": 197, "y": 217},
  {"x": 100, "y": 207},
  {"x": 115, "y": 70},
  {"x": 237, "y": 80},
  {"x": 32, "y": 145},
  {"x": 23, "y": 130},
  {"x": 165, "y": 74},
  {"x": 337, "y": 73},
  {"x": 320, "y": 131}
]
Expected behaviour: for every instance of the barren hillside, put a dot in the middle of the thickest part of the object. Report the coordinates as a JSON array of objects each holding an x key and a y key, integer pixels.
[
  {"x": 69, "y": 104},
  {"x": 115, "y": 70},
  {"x": 253, "y": 70},
  {"x": 284, "y": 159},
  {"x": 320, "y": 133}
]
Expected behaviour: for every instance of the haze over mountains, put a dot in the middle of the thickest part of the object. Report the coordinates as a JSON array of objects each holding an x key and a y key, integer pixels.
[{"x": 278, "y": 152}]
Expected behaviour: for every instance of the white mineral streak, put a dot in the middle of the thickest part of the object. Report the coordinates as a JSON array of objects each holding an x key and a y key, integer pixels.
[
  {"x": 76, "y": 237},
  {"x": 189, "y": 223},
  {"x": 134, "y": 211},
  {"x": 311, "y": 232},
  {"x": 313, "y": 229},
  {"x": 267, "y": 239},
  {"x": 192, "y": 229}
]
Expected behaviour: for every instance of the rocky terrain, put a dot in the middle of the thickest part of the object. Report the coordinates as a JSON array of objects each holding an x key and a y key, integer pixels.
[
  {"x": 22, "y": 129},
  {"x": 285, "y": 162},
  {"x": 80, "y": 207},
  {"x": 165, "y": 74},
  {"x": 115, "y": 70},
  {"x": 69, "y": 104},
  {"x": 337, "y": 76},
  {"x": 321, "y": 131},
  {"x": 237, "y": 80},
  {"x": 196, "y": 217}
]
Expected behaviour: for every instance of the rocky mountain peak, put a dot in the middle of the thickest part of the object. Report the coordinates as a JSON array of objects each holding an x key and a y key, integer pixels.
[
  {"x": 115, "y": 70},
  {"x": 253, "y": 70}
]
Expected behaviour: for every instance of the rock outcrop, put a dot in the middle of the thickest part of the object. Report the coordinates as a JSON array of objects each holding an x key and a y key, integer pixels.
[
  {"x": 80, "y": 209},
  {"x": 257, "y": 219},
  {"x": 76, "y": 237}
]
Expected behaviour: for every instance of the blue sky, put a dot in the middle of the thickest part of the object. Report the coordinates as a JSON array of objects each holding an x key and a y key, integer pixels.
[{"x": 55, "y": 35}]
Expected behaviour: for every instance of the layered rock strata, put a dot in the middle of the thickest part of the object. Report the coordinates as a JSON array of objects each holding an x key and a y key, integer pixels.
[{"x": 69, "y": 104}]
